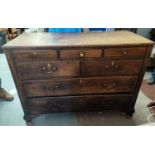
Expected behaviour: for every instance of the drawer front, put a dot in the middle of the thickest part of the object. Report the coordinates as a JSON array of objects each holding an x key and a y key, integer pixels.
[
  {"x": 34, "y": 54},
  {"x": 125, "y": 52},
  {"x": 77, "y": 54},
  {"x": 78, "y": 103},
  {"x": 77, "y": 86},
  {"x": 45, "y": 69},
  {"x": 111, "y": 67}
]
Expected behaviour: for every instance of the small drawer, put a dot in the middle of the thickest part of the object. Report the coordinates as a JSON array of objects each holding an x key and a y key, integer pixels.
[
  {"x": 34, "y": 54},
  {"x": 47, "y": 69},
  {"x": 132, "y": 52},
  {"x": 78, "y": 103},
  {"x": 75, "y": 86},
  {"x": 79, "y": 54},
  {"x": 111, "y": 67}
]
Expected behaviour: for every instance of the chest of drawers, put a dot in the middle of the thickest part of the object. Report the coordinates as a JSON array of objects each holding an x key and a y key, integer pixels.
[{"x": 78, "y": 72}]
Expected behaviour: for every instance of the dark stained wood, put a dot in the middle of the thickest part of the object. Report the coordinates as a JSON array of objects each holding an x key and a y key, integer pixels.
[
  {"x": 77, "y": 86},
  {"x": 126, "y": 52},
  {"x": 46, "y": 69},
  {"x": 78, "y": 72},
  {"x": 78, "y": 103},
  {"x": 81, "y": 53},
  {"x": 139, "y": 82},
  {"x": 111, "y": 67},
  {"x": 23, "y": 55}
]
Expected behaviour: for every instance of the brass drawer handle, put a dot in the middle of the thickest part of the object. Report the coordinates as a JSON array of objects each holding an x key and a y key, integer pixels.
[
  {"x": 113, "y": 84},
  {"x": 54, "y": 68},
  {"x": 81, "y": 99},
  {"x": 112, "y": 66},
  {"x": 49, "y": 68},
  {"x": 107, "y": 102},
  {"x": 107, "y": 66},
  {"x": 81, "y": 54},
  {"x": 103, "y": 103},
  {"x": 34, "y": 54},
  {"x": 111, "y": 102},
  {"x": 44, "y": 69},
  {"x": 105, "y": 84},
  {"x": 124, "y": 52},
  {"x": 53, "y": 88},
  {"x": 110, "y": 85},
  {"x": 116, "y": 66},
  {"x": 47, "y": 87}
]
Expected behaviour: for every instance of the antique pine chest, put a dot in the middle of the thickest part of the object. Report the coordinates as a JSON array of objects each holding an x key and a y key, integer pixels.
[{"x": 66, "y": 72}]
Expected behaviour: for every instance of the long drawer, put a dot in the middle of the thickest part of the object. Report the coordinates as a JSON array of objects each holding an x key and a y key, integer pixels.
[
  {"x": 74, "y": 86},
  {"x": 44, "y": 69},
  {"x": 125, "y": 52},
  {"x": 111, "y": 67},
  {"x": 30, "y": 54},
  {"x": 78, "y": 103},
  {"x": 80, "y": 53}
]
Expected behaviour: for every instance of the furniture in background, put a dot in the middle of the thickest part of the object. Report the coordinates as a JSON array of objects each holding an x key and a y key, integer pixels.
[
  {"x": 78, "y": 72},
  {"x": 11, "y": 33},
  {"x": 2, "y": 40},
  {"x": 7, "y": 35},
  {"x": 127, "y": 29}
]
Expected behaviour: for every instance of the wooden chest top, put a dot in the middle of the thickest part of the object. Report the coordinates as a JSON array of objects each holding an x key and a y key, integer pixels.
[{"x": 90, "y": 39}]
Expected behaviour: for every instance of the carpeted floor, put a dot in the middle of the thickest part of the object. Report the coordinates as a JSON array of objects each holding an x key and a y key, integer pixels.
[{"x": 148, "y": 90}]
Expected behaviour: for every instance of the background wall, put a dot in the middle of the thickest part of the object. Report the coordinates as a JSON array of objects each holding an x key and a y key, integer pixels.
[
  {"x": 144, "y": 32},
  {"x": 141, "y": 31}
]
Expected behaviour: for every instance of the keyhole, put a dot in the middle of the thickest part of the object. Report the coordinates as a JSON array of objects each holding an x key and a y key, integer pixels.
[
  {"x": 112, "y": 63},
  {"x": 49, "y": 66}
]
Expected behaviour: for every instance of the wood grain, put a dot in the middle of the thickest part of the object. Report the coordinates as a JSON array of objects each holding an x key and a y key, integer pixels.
[
  {"x": 126, "y": 52},
  {"x": 78, "y": 72},
  {"x": 80, "y": 53},
  {"x": 90, "y": 39},
  {"x": 78, "y": 103},
  {"x": 48, "y": 69},
  {"x": 111, "y": 67},
  {"x": 81, "y": 86},
  {"x": 23, "y": 55}
]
